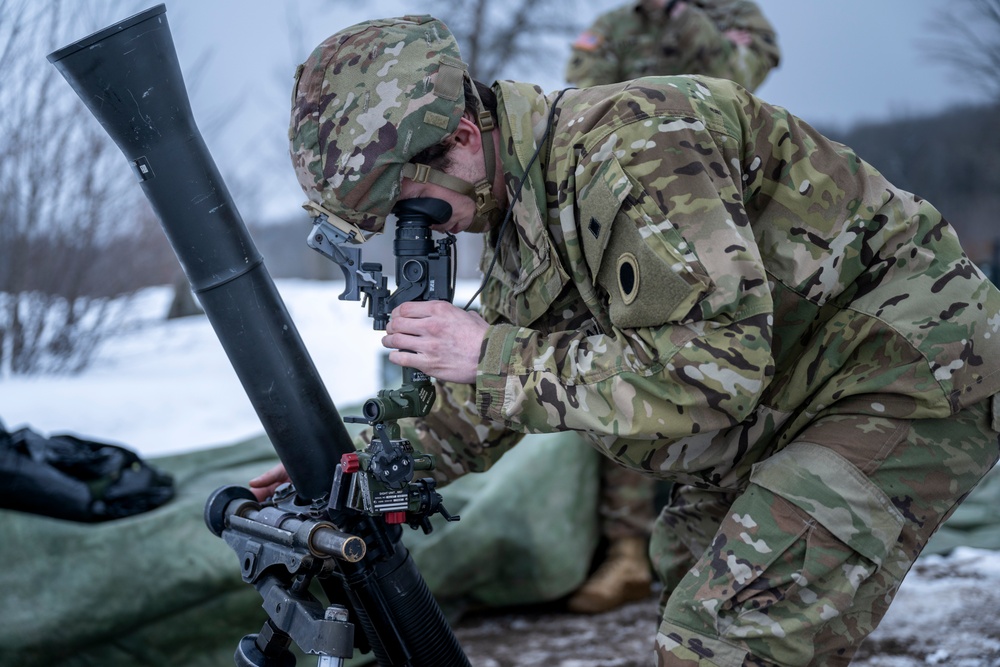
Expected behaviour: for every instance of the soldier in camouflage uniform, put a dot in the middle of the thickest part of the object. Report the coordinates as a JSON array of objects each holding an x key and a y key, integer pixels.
[
  {"x": 728, "y": 39},
  {"x": 721, "y": 38},
  {"x": 704, "y": 288}
]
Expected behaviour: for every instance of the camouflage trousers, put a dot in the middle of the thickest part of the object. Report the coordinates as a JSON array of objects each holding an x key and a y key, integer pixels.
[
  {"x": 801, "y": 566},
  {"x": 626, "y": 502}
]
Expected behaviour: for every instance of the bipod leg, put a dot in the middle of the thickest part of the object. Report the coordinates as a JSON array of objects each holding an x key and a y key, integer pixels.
[{"x": 269, "y": 648}]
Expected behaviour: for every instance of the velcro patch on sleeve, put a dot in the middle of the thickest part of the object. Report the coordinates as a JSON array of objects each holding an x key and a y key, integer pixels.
[{"x": 643, "y": 289}]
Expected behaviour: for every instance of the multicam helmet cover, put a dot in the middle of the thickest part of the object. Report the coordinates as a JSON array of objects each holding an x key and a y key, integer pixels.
[{"x": 365, "y": 102}]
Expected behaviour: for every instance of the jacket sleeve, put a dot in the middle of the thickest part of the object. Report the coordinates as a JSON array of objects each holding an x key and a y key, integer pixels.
[{"x": 678, "y": 283}]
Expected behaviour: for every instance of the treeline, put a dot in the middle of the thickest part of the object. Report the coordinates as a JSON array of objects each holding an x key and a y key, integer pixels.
[{"x": 951, "y": 159}]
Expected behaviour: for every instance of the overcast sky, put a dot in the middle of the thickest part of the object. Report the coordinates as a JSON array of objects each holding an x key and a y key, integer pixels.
[{"x": 844, "y": 61}]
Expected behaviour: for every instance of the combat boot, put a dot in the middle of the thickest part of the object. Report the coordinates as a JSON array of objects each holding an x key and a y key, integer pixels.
[{"x": 624, "y": 576}]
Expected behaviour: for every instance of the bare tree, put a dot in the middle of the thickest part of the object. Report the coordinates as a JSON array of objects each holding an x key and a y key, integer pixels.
[
  {"x": 498, "y": 36},
  {"x": 966, "y": 37},
  {"x": 76, "y": 236}
]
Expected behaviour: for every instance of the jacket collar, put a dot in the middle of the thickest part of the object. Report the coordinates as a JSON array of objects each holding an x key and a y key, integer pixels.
[{"x": 530, "y": 261}]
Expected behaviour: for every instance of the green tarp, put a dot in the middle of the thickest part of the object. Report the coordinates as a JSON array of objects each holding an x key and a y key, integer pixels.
[{"x": 159, "y": 589}]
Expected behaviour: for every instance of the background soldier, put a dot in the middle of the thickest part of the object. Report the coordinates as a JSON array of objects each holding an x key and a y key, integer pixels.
[
  {"x": 729, "y": 39},
  {"x": 704, "y": 288}
]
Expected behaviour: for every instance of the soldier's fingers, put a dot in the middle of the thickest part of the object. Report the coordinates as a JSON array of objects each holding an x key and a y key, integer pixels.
[
  {"x": 425, "y": 309},
  {"x": 414, "y": 309},
  {"x": 411, "y": 359},
  {"x": 406, "y": 326},
  {"x": 399, "y": 341}
]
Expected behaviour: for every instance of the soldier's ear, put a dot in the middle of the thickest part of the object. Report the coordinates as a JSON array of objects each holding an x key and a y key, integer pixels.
[{"x": 467, "y": 135}]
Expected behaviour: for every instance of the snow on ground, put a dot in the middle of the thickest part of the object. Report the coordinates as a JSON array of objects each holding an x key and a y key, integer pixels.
[
  {"x": 944, "y": 616},
  {"x": 164, "y": 387}
]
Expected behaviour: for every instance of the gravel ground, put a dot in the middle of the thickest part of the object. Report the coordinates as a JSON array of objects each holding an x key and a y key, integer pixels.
[{"x": 945, "y": 614}]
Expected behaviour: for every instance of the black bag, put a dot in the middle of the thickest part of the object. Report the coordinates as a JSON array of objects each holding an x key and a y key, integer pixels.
[{"x": 70, "y": 478}]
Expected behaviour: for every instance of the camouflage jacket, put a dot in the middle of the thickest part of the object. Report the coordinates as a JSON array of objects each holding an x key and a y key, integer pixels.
[
  {"x": 629, "y": 42},
  {"x": 695, "y": 275}
]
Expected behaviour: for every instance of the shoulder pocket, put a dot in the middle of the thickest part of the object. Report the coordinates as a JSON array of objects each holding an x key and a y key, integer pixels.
[{"x": 635, "y": 254}]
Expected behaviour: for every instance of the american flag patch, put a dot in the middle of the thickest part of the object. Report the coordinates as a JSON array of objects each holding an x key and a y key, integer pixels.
[{"x": 588, "y": 41}]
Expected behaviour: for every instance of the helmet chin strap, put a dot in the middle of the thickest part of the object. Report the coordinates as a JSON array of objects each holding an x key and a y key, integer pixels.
[
  {"x": 517, "y": 196},
  {"x": 481, "y": 192},
  {"x": 487, "y": 206}
]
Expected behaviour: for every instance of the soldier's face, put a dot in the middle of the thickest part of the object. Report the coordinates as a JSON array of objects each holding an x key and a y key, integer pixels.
[
  {"x": 462, "y": 207},
  {"x": 466, "y": 163}
]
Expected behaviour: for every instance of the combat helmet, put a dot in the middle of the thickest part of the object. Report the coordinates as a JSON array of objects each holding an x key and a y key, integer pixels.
[{"x": 365, "y": 102}]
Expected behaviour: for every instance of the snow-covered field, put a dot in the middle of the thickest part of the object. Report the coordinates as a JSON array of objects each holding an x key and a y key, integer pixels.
[{"x": 164, "y": 387}]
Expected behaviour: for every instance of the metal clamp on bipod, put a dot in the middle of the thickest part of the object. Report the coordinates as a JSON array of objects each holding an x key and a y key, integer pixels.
[{"x": 325, "y": 633}]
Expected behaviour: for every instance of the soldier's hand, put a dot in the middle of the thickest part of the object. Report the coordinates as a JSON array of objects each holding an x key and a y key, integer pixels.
[
  {"x": 437, "y": 338},
  {"x": 739, "y": 37},
  {"x": 263, "y": 485}
]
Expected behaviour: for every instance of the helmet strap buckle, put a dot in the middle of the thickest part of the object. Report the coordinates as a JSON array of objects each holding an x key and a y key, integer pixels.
[
  {"x": 422, "y": 173},
  {"x": 485, "y": 201}
]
